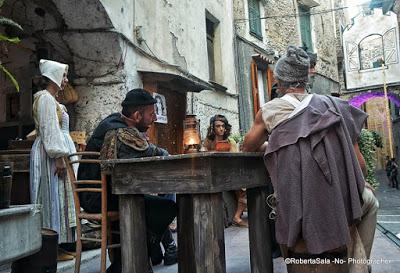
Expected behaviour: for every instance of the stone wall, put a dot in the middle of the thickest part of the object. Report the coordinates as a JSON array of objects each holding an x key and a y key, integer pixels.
[
  {"x": 283, "y": 30},
  {"x": 342, "y": 20},
  {"x": 324, "y": 40}
]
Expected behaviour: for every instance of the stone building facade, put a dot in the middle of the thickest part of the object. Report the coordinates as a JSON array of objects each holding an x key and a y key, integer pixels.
[
  {"x": 282, "y": 23},
  {"x": 253, "y": 59},
  {"x": 370, "y": 38},
  {"x": 225, "y": 49},
  {"x": 112, "y": 47},
  {"x": 282, "y": 29}
]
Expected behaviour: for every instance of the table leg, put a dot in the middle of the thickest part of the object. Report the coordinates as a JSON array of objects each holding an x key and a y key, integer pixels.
[
  {"x": 133, "y": 234},
  {"x": 259, "y": 231},
  {"x": 201, "y": 233}
]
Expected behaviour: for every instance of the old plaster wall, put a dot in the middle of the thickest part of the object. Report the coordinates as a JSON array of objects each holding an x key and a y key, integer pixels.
[
  {"x": 93, "y": 40},
  {"x": 364, "y": 26},
  {"x": 76, "y": 33},
  {"x": 205, "y": 110},
  {"x": 208, "y": 103},
  {"x": 175, "y": 32},
  {"x": 98, "y": 55}
]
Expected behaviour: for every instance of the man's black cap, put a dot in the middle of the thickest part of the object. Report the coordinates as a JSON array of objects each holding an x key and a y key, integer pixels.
[{"x": 138, "y": 97}]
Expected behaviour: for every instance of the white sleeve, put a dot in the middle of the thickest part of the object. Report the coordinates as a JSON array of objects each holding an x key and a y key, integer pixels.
[{"x": 49, "y": 128}]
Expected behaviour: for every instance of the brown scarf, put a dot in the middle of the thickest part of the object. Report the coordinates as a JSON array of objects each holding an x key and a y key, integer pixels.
[{"x": 128, "y": 136}]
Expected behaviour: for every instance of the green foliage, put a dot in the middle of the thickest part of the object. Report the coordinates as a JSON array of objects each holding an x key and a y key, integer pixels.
[
  {"x": 367, "y": 144},
  {"x": 14, "y": 40},
  {"x": 10, "y": 76},
  {"x": 377, "y": 139},
  {"x": 238, "y": 138},
  {"x": 8, "y": 22}
]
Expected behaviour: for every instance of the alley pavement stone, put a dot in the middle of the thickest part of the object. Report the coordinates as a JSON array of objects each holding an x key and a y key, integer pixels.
[{"x": 389, "y": 206}]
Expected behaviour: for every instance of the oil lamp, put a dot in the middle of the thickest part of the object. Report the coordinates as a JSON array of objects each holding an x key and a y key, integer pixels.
[{"x": 191, "y": 137}]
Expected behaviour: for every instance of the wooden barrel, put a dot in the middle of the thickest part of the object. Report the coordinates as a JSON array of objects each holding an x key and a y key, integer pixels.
[
  {"x": 5, "y": 184},
  {"x": 20, "y": 193},
  {"x": 44, "y": 261}
]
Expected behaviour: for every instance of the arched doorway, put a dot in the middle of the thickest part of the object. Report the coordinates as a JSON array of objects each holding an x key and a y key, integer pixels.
[{"x": 373, "y": 103}]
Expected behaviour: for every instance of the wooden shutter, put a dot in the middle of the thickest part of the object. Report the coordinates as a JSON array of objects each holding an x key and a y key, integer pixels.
[
  {"x": 270, "y": 80},
  {"x": 254, "y": 18},
  {"x": 305, "y": 27},
  {"x": 254, "y": 87},
  {"x": 390, "y": 46}
]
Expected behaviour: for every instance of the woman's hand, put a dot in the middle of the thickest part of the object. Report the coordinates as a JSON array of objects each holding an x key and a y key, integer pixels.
[{"x": 60, "y": 167}]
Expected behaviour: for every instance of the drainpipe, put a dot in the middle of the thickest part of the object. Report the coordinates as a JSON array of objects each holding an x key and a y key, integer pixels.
[{"x": 237, "y": 79}]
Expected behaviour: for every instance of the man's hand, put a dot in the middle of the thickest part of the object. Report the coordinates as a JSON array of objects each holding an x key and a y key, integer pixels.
[
  {"x": 60, "y": 167},
  {"x": 256, "y": 137}
]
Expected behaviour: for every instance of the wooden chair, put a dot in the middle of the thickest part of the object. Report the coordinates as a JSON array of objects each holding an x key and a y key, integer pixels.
[{"x": 105, "y": 217}]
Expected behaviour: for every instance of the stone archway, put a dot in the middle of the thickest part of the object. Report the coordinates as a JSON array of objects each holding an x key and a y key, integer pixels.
[{"x": 79, "y": 33}]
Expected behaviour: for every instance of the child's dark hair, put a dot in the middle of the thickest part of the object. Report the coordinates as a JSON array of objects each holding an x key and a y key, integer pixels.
[{"x": 210, "y": 130}]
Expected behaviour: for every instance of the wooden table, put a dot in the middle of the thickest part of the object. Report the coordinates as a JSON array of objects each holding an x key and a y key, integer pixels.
[{"x": 199, "y": 180}]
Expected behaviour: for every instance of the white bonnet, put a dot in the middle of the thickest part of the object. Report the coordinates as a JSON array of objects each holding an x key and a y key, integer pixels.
[{"x": 53, "y": 70}]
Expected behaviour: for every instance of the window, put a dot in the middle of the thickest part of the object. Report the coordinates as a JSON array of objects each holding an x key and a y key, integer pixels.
[
  {"x": 254, "y": 18},
  {"x": 371, "y": 52},
  {"x": 210, "y": 49},
  {"x": 261, "y": 81},
  {"x": 305, "y": 27},
  {"x": 375, "y": 48},
  {"x": 212, "y": 46}
]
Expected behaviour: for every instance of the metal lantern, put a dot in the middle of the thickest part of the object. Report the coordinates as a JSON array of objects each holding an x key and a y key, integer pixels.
[{"x": 191, "y": 136}]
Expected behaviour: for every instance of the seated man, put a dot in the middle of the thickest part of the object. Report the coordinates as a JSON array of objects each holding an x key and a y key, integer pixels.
[
  {"x": 121, "y": 135},
  {"x": 314, "y": 162}
]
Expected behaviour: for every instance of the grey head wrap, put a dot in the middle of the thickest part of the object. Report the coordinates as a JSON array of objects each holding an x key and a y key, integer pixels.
[
  {"x": 293, "y": 67},
  {"x": 313, "y": 56}
]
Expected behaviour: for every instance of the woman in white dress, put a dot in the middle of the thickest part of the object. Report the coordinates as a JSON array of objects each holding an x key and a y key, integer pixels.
[{"x": 49, "y": 183}]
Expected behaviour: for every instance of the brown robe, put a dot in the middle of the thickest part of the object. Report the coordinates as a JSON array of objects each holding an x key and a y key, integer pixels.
[{"x": 316, "y": 174}]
